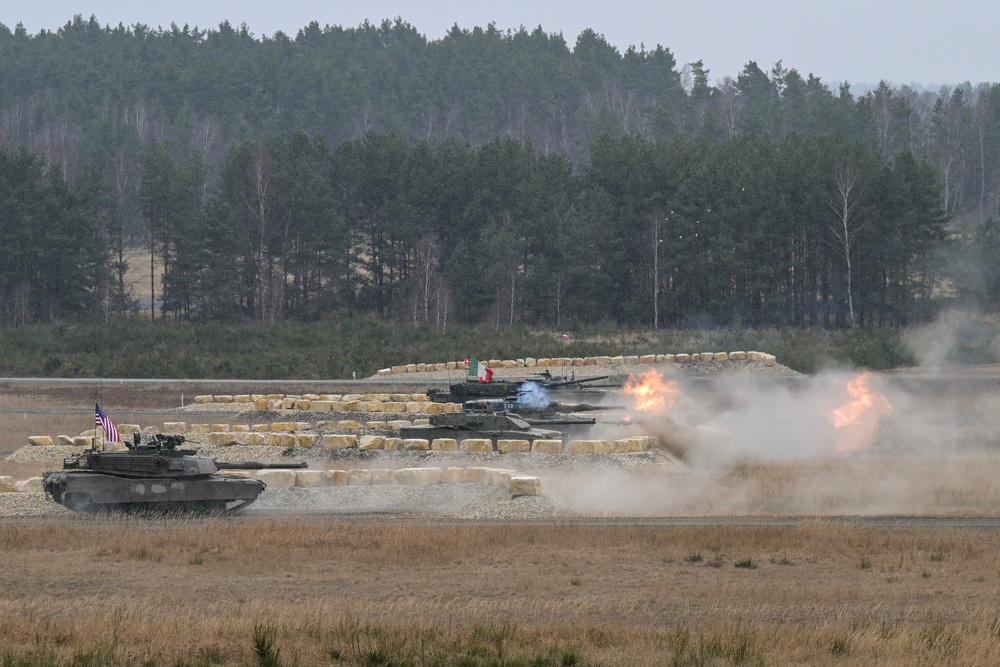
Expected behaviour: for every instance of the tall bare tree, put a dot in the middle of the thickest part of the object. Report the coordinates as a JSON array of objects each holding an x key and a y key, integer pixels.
[{"x": 845, "y": 202}]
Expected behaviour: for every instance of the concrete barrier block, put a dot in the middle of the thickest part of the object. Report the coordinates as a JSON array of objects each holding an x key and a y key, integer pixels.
[
  {"x": 397, "y": 424},
  {"x": 647, "y": 359},
  {"x": 580, "y": 447},
  {"x": 6, "y": 483},
  {"x": 241, "y": 398},
  {"x": 280, "y": 439},
  {"x": 393, "y": 444},
  {"x": 240, "y": 428},
  {"x": 262, "y": 404},
  {"x": 524, "y": 485},
  {"x": 311, "y": 478},
  {"x": 129, "y": 429},
  {"x": 321, "y": 406},
  {"x": 500, "y": 477},
  {"x": 30, "y": 485},
  {"x": 720, "y": 356},
  {"x": 196, "y": 428},
  {"x": 220, "y": 438},
  {"x": 336, "y": 477},
  {"x": 303, "y": 426},
  {"x": 547, "y": 446},
  {"x": 452, "y": 475},
  {"x": 418, "y": 476},
  {"x": 682, "y": 358},
  {"x": 223, "y": 398},
  {"x": 513, "y": 446},
  {"x": 82, "y": 441},
  {"x": 476, "y": 445},
  {"x": 306, "y": 439},
  {"x": 340, "y": 441},
  {"x": 380, "y": 426},
  {"x": 278, "y": 479},
  {"x": 738, "y": 355},
  {"x": 616, "y": 361},
  {"x": 64, "y": 440},
  {"x": 367, "y": 442},
  {"x": 543, "y": 362},
  {"x": 349, "y": 423},
  {"x": 174, "y": 427},
  {"x": 218, "y": 428},
  {"x": 416, "y": 444},
  {"x": 475, "y": 475},
  {"x": 383, "y": 476},
  {"x": 359, "y": 477},
  {"x": 251, "y": 439},
  {"x": 530, "y": 362},
  {"x": 205, "y": 398},
  {"x": 40, "y": 440},
  {"x": 444, "y": 444}
]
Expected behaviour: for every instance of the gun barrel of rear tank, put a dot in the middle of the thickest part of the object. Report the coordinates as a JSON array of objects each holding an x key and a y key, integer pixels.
[{"x": 257, "y": 465}]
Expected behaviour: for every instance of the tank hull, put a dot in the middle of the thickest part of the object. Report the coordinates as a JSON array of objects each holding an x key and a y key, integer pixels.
[{"x": 88, "y": 491}]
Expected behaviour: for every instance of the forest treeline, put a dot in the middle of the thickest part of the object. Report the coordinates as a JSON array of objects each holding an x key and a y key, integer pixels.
[{"x": 489, "y": 176}]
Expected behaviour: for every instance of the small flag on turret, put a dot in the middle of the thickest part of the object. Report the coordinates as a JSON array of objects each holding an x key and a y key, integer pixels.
[{"x": 101, "y": 419}]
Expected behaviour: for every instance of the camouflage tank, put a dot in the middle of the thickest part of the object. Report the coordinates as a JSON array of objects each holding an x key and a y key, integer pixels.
[
  {"x": 494, "y": 426},
  {"x": 568, "y": 387},
  {"x": 155, "y": 476}
]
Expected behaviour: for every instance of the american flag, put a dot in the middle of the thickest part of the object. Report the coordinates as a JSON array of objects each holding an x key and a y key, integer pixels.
[{"x": 101, "y": 419}]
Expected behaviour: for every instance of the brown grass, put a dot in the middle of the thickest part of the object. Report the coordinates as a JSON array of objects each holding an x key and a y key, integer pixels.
[{"x": 184, "y": 591}]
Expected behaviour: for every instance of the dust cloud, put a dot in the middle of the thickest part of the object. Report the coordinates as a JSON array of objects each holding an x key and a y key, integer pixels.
[{"x": 925, "y": 441}]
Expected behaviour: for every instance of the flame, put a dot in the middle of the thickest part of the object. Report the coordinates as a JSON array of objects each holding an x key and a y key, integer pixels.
[
  {"x": 651, "y": 393},
  {"x": 857, "y": 420}
]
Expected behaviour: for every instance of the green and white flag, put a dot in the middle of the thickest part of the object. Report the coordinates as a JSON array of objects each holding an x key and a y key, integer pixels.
[{"x": 478, "y": 370}]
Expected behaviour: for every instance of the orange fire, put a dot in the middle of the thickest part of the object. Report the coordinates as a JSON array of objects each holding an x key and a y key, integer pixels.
[
  {"x": 857, "y": 420},
  {"x": 651, "y": 393}
]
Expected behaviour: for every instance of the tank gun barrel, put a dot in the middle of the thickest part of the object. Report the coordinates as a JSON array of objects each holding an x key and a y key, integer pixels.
[
  {"x": 257, "y": 465},
  {"x": 574, "y": 381}
]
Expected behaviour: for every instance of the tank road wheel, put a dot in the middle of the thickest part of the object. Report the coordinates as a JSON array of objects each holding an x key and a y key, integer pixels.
[{"x": 78, "y": 502}]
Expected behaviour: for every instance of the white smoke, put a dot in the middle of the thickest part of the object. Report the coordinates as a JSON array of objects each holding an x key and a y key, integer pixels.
[{"x": 534, "y": 396}]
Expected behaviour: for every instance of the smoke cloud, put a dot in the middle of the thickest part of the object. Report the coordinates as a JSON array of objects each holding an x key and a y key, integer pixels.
[{"x": 926, "y": 443}]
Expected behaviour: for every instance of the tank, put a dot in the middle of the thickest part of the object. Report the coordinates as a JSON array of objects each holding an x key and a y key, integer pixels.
[
  {"x": 473, "y": 389},
  {"x": 495, "y": 426},
  {"x": 155, "y": 476}
]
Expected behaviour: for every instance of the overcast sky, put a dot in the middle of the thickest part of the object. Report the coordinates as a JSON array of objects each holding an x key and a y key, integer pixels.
[{"x": 861, "y": 41}]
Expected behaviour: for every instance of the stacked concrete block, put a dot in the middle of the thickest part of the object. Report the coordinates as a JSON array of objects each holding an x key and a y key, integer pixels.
[
  {"x": 546, "y": 446},
  {"x": 311, "y": 478},
  {"x": 359, "y": 477},
  {"x": 513, "y": 446},
  {"x": 524, "y": 485},
  {"x": 340, "y": 441},
  {"x": 476, "y": 445},
  {"x": 277, "y": 479}
]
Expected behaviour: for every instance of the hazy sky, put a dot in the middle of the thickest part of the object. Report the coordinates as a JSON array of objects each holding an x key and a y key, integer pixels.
[{"x": 860, "y": 41}]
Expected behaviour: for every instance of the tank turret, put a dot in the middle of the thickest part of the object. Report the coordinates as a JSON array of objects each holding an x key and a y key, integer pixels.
[{"x": 153, "y": 476}]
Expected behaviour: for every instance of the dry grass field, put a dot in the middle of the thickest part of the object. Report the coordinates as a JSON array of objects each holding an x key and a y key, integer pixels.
[{"x": 318, "y": 592}]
